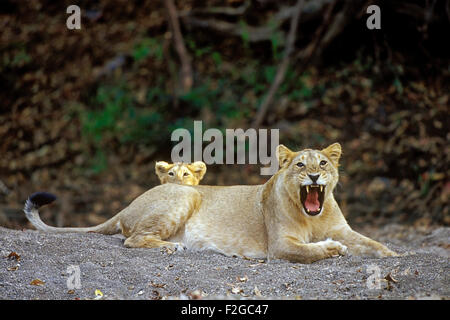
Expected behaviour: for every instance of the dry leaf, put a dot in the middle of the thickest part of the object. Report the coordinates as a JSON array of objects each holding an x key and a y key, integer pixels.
[
  {"x": 196, "y": 294},
  {"x": 98, "y": 294},
  {"x": 13, "y": 268},
  {"x": 389, "y": 278},
  {"x": 13, "y": 256},
  {"x": 236, "y": 290},
  {"x": 255, "y": 264},
  {"x": 257, "y": 292},
  {"x": 167, "y": 250},
  {"x": 157, "y": 285},
  {"x": 37, "y": 282},
  {"x": 243, "y": 279},
  {"x": 156, "y": 295}
]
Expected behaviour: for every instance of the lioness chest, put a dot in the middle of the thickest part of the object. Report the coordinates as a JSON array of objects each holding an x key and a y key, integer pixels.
[{"x": 227, "y": 220}]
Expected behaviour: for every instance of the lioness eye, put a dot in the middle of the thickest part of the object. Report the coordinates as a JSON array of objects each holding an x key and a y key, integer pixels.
[
  {"x": 323, "y": 162},
  {"x": 300, "y": 165},
  {"x": 170, "y": 173},
  {"x": 185, "y": 174}
]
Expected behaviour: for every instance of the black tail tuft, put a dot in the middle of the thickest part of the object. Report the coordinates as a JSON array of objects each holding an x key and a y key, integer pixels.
[{"x": 40, "y": 199}]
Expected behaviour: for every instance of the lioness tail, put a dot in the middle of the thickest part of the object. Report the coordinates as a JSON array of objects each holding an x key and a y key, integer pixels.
[{"x": 40, "y": 199}]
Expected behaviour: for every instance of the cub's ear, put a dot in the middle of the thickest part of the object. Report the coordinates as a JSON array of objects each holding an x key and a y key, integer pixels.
[
  {"x": 161, "y": 168},
  {"x": 198, "y": 168},
  {"x": 333, "y": 152},
  {"x": 284, "y": 155}
]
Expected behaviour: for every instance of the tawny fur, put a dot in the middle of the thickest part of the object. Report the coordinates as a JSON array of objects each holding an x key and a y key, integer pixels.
[{"x": 261, "y": 221}]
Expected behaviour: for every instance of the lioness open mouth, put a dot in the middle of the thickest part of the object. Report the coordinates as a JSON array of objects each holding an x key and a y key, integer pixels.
[{"x": 311, "y": 197}]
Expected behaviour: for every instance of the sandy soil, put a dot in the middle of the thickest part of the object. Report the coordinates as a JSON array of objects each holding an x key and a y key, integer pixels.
[{"x": 35, "y": 265}]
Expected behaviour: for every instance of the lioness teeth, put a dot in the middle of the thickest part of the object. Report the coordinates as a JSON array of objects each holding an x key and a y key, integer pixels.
[
  {"x": 307, "y": 189},
  {"x": 321, "y": 188}
]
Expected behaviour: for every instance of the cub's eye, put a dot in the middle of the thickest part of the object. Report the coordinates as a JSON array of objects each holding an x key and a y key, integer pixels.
[
  {"x": 300, "y": 165},
  {"x": 323, "y": 162},
  {"x": 185, "y": 174},
  {"x": 171, "y": 173}
]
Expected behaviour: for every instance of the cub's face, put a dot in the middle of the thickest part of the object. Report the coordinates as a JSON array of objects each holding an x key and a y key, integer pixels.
[
  {"x": 310, "y": 175},
  {"x": 180, "y": 173}
]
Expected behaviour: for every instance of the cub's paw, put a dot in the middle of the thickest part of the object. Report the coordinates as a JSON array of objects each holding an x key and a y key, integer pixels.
[{"x": 333, "y": 248}]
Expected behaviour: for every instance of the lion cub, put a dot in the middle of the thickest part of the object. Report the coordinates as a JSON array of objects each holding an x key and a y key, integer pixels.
[{"x": 180, "y": 173}]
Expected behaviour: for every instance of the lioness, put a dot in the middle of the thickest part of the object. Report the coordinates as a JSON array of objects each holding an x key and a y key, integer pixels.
[
  {"x": 292, "y": 216},
  {"x": 182, "y": 173}
]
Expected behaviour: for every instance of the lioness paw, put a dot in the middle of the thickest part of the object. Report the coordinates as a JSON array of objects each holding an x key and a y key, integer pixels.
[
  {"x": 333, "y": 248},
  {"x": 388, "y": 253}
]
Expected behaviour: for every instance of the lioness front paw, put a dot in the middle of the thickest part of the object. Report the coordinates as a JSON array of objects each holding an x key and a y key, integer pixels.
[
  {"x": 334, "y": 248},
  {"x": 388, "y": 253}
]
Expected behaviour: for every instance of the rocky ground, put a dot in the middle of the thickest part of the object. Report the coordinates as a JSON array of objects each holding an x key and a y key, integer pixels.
[{"x": 35, "y": 265}]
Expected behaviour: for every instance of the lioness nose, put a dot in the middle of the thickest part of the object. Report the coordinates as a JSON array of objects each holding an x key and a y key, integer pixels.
[{"x": 314, "y": 177}]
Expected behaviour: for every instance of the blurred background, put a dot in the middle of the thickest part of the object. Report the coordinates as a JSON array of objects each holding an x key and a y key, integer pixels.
[{"x": 86, "y": 113}]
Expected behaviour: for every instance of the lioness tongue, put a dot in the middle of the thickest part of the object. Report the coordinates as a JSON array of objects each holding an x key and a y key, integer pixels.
[{"x": 312, "y": 201}]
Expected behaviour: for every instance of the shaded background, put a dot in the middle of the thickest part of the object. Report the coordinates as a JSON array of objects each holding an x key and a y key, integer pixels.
[{"x": 86, "y": 113}]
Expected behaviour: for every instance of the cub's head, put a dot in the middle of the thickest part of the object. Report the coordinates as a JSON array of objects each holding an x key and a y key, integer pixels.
[
  {"x": 310, "y": 175},
  {"x": 180, "y": 173}
]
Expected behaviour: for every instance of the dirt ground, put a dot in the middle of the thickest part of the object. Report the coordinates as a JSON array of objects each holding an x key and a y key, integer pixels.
[{"x": 35, "y": 265}]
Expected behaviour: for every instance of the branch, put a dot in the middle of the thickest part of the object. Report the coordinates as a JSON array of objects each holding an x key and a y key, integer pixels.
[
  {"x": 306, "y": 54},
  {"x": 279, "y": 77},
  {"x": 310, "y": 11},
  {"x": 228, "y": 11},
  {"x": 185, "y": 59},
  {"x": 255, "y": 34},
  {"x": 337, "y": 25}
]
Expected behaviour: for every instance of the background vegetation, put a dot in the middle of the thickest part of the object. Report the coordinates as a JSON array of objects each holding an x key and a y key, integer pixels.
[{"x": 86, "y": 113}]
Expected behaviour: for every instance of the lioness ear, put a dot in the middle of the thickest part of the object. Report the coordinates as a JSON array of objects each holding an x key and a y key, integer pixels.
[
  {"x": 161, "y": 168},
  {"x": 284, "y": 155},
  {"x": 198, "y": 168},
  {"x": 333, "y": 152}
]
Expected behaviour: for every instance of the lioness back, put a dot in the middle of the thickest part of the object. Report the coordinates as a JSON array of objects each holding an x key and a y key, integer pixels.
[{"x": 226, "y": 220}]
